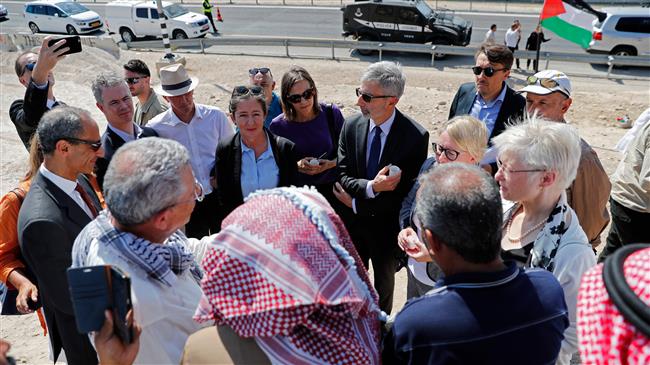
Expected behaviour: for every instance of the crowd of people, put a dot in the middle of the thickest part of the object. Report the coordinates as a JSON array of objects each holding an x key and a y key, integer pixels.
[{"x": 230, "y": 262}]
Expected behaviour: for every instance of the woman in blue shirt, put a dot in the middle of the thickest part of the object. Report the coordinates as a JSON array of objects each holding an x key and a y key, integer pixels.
[{"x": 254, "y": 158}]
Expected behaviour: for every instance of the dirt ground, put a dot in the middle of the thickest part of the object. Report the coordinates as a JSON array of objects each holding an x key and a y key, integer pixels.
[{"x": 597, "y": 103}]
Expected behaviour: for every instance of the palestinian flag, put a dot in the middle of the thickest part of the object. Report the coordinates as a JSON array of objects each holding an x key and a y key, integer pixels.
[{"x": 570, "y": 19}]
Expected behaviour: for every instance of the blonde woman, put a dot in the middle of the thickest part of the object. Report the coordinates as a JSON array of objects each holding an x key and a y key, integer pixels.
[{"x": 463, "y": 140}]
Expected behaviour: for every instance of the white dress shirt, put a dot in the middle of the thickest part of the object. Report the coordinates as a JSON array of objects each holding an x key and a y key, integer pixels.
[
  {"x": 164, "y": 313},
  {"x": 200, "y": 136},
  {"x": 126, "y": 136},
  {"x": 68, "y": 187},
  {"x": 385, "y": 129}
]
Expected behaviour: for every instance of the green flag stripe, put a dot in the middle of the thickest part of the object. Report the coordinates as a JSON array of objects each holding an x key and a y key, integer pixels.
[{"x": 570, "y": 32}]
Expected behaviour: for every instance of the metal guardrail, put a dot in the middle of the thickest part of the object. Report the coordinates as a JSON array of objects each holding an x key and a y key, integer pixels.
[{"x": 380, "y": 47}]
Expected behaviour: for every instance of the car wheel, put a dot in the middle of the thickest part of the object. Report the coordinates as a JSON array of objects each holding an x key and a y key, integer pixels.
[
  {"x": 33, "y": 27},
  {"x": 624, "y": 51},
  {"x": 365, "y": 52},
  {"x": 127, "y": 35},
  {"x": 179, "y": 34},
  {"x": 70, "y": 29}
]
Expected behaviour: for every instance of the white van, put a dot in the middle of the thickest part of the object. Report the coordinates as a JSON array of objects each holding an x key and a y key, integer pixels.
[
  {"x": 133, "y": 18},
  {"x": 60, "y": 16}
]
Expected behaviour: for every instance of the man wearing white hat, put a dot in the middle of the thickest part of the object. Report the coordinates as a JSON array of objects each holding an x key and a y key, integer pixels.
[
  {"x": 199, "y": 128},
  {"x": 548, "y": 94}
]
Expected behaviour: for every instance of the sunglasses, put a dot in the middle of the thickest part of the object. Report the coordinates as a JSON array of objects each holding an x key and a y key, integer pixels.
[
  {"x": 545, "y": 83},
  {"x": 95, "y": 146},
  {"x": 133, "y": 80},
  {"x": 488, "y": 71},
  {"x": 30, "y": 66},
  {"x": 245, "y": 90},
  {"x": 263, "y": 70},
  {"x": 368, "y": 98},
  {"x": 295, "y": 98},
  {"x": 451, "y": 155}
]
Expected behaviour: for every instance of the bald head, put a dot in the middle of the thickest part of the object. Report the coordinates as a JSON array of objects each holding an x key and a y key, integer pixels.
[{"x": 461, "y": 206}]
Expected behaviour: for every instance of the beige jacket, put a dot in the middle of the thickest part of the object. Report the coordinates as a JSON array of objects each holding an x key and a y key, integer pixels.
[
  {"x": 588, "y": 194},
  {"x": 631, "y": 180},
  {"x": 154, "y": 106}
]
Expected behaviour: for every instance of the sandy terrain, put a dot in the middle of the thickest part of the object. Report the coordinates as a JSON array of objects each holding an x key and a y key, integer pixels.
[{"x": 597, "y": 102}]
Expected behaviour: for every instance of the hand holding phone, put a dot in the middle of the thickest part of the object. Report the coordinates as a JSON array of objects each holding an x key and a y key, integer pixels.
[
  {"x": 95, "y": 289},
  {"x": 73, "y": 44}
]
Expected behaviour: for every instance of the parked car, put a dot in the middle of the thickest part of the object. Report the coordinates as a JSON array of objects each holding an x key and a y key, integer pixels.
[
  {"x": 625, "y": 32},
  {"x": 404, "y": 21},
  {"x": 133, "y": 18},
  {"x": 58, "y": 16},
  {"x": 3, "y": 12}
]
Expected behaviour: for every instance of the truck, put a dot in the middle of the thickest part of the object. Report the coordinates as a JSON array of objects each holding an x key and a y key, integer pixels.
[
  {"x": 406, "y": 21},
  {"x": 133, "y": 19}
]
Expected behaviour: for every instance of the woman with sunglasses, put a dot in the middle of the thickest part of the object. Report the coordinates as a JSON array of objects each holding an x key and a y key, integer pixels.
[
  {"x": 254, "y": 158},
  {"x": 314, "y": 127},
  {"x": 463, "y": 140},
  {"x": 537, "y": 161}
]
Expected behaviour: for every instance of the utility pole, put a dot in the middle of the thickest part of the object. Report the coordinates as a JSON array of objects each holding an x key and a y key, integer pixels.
[{"x": 169, "y": 58}]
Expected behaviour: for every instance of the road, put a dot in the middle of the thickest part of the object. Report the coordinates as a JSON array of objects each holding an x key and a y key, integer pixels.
[{"x": 314, "y": 22}]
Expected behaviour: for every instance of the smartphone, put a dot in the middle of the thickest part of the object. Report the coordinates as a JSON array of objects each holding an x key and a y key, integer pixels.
[
  {"x": 73, "y": 42},
  {"x": 95, "y": 289}
]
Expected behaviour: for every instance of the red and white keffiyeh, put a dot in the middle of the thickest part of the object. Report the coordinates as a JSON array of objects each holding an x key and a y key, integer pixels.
[
  {"x": 284, "y": 271},
  {"x": 605, "y": 337}
]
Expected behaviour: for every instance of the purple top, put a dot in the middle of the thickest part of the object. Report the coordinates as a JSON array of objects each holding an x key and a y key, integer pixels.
[{"x": 312, "y": 139}]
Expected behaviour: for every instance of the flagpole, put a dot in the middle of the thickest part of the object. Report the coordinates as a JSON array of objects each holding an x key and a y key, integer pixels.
[{"x": 539, "y": 24}]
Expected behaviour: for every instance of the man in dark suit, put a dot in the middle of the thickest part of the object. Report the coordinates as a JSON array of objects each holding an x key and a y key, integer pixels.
[
  {"x": 34, "y": 71},
  {"x": 59, "y": 204},
  {"x": 488, "y": 98},
  {"x": 113, "y": 98},
  {"x": 380, "y": 153}
]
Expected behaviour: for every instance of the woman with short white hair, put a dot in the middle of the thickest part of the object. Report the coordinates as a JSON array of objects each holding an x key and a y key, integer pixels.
[{"x": 537, "y": 161}]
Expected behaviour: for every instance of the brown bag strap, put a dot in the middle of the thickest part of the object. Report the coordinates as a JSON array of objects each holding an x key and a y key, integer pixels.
[{"x": 20, "y": 194}]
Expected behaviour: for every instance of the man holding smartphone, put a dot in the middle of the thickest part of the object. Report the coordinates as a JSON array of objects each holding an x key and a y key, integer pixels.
[{"x": 35, "y": 72}]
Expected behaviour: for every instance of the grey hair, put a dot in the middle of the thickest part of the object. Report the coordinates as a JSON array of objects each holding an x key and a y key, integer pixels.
[
  {"x": 542, "y": 144},
  {"x": 461, "y": 206},
  {"x": 143, "y": 178},
  {"x": 60, "y": 123},
  {"x": 388, "y": 75},
  {"x": 103, "y": 81}
]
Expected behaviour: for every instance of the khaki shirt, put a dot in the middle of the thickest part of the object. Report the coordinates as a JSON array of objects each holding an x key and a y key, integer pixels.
[
  {"x": 588, "y": 194},
  {"x": 631, "y": 180},
  {"x": 154, "y": 106}
]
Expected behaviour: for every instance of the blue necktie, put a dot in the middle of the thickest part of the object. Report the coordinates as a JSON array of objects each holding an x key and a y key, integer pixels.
[{"x": 375, "y": 152}]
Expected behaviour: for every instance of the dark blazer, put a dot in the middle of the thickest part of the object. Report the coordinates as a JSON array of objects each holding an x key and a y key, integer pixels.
[
  {"x": 228, "y": 169},
  {"x": 111, "y": 141},
  {"x": 48, "y": 223},
  {"x": 406, "y": 147},
  {"x": 512, "y": 109},
  {"x": 26, "y": 113}
]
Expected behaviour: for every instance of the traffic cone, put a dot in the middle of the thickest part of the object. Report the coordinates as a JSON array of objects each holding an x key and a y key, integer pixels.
[{"x": 219, "y": 18}]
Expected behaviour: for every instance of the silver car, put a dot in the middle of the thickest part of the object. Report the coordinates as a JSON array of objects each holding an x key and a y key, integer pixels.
[
  {"x": 3, "y": 12},
  {"x": 625, "y": 32}
]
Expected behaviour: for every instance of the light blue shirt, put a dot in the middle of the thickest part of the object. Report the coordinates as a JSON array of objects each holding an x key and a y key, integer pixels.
[
  {"x": 126, "y": 136},
  {"x": 260, "y": 173},
  {"x": 487, "y": 112}
]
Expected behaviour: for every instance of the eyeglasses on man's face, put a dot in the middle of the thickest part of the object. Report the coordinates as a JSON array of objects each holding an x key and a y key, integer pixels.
[
  {"x": 487, "y": 71},
  {"x": 94, "y": 145},
  {"x": 28, "y": 67},
  {"x": 255, "y": 70},
  {"x": 368, "y": 98},
  {"x": 134, "y": 80}
]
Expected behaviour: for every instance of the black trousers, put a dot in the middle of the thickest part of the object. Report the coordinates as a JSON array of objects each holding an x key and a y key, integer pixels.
[
  {"x": 379, "y": 246},
  {"x": 513, "y": 49},
  {"x": 204, "y": 220},
  {"x": 628, "y": 226},
  {"x": 209, "y": 15}
]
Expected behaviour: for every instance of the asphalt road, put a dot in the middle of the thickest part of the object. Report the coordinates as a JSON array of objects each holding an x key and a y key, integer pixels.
[{"x": 314, "y": 22}]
